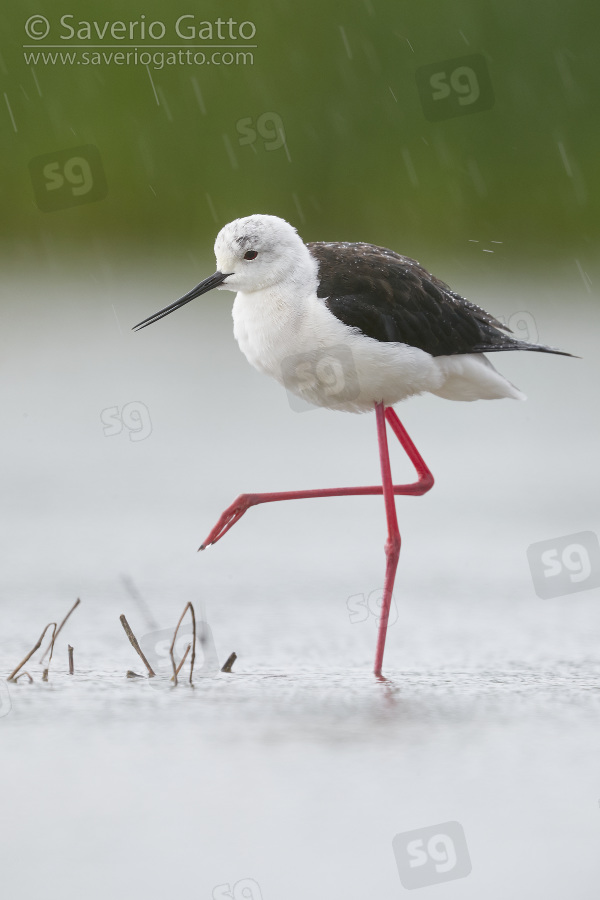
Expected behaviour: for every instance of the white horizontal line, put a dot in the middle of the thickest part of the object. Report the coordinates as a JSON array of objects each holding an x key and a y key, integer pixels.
[{"x": 142, "y": 46}]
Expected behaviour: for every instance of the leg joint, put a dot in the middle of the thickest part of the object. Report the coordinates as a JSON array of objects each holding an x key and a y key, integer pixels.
[
  {"x": 426, "y": 481},
  {"x": 392, "y": 546}
]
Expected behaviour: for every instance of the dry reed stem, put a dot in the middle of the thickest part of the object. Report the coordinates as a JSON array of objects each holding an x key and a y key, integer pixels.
[
  {"x": 71, "y": 666},
  {"x": 31, "y": 652},
  {"x": 59, "y": 629},
  {"x": 136, "y": 646},
  {"x": 193, "y": 659},
  {"x": 21, "y": 675},
  {"x": 52, "y": 642},
  {"x": 183, "y": 659}
]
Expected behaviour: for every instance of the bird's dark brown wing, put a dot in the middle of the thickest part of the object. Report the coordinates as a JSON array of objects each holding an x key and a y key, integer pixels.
[{"x": 390, "y": 297}]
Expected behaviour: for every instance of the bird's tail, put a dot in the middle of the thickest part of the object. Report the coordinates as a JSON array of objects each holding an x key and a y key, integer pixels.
[{"x": 508, "y": 343}]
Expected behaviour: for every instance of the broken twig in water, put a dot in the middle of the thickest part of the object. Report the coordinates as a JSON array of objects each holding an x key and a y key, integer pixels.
[
  {"x": 21, "y": 675},
  {"x": 136, "y": 646},
  {"x": 193, "y": 659},
  {"x": 71, "y": 667},
  {"x": 230, "y": 661},
  {"x": 59, "y": 629},
  {"x": 11, "y": 677},
  {"x": 131, "y": 674}
]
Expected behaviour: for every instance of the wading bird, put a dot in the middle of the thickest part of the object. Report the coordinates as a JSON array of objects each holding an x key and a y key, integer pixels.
[{"x": 377, "y": 321}]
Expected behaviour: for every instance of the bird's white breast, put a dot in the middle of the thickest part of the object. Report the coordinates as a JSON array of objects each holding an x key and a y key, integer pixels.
[
  {"x": 266, "y": 328},
  {"x": 313, "y": 354}
]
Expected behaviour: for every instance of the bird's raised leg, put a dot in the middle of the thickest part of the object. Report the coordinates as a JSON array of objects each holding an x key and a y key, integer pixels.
[
  {"x": 423, "y": 484},
  {"x": 425, "y": 480},
  {"x": 242, "y": 503}
]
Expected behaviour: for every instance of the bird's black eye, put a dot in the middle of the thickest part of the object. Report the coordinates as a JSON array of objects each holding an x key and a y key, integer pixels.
[{"x": 250, "y": 254}]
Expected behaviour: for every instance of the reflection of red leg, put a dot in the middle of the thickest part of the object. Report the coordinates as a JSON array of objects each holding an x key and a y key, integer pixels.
[{"x": 423, "y": 484}]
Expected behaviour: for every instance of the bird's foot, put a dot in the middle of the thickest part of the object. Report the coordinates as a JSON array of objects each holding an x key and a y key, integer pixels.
[{"x": 231, "y": 515}]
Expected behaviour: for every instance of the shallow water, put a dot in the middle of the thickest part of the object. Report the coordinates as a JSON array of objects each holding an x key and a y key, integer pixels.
[{"x": 291, "y": 776}]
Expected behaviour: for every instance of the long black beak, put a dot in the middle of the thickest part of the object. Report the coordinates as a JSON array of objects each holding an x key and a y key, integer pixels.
[{"x": 207, "y": 285}]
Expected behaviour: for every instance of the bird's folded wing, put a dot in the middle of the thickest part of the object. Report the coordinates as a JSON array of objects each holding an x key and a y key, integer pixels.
[{"x": 390, "y": 297}]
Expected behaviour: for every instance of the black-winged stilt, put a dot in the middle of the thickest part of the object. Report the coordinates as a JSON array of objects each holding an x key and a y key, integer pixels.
[{"x": 404, "y": 330}]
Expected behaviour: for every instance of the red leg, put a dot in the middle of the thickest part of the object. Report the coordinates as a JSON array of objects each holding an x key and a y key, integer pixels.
[
  {"x": 392, "y": 545},
  {"x": 423, "y": 484},
  {"x": 239, "y": 506}
]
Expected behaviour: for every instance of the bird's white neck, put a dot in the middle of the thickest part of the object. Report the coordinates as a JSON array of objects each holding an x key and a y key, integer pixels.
[{"x": 266, "y": 321}]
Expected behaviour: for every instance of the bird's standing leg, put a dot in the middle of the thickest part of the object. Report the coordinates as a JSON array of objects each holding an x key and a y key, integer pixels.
[
  {"x": 423, "y": 484},
  {"x": 392, "y": 545}
]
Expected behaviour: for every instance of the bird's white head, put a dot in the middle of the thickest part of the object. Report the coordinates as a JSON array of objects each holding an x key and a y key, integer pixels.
[
  {"x": 258, "y": 252},
  {"x": 253, "y": 254}
]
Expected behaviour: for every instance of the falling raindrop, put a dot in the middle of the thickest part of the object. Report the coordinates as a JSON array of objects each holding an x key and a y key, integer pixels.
[
  {"x": 345, "y": 40},
  {"x": 198, "y": 94},
  {"x": 299, "y": 208},
  {"x": 230, "y": 153},
  {"x": 10, "y": 112},
  {"x": 410, "y": 169}
]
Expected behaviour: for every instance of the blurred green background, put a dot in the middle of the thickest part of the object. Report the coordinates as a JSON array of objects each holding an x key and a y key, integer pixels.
[{"x": 360, "y": 158}]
